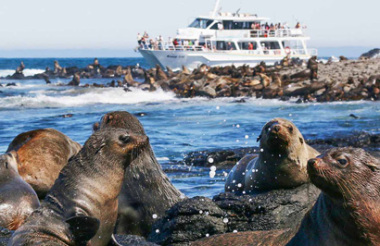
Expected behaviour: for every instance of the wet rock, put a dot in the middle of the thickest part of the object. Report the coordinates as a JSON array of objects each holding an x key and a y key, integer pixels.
[
  {"x": 374, "y": 53},
  {"x": 197, "y": 217},
  {"x": 277, "y": 209},
  {"x": 219, "y": 158},
  {"x": 132, "y": 240},
  {"x": 188, "y": 221}
]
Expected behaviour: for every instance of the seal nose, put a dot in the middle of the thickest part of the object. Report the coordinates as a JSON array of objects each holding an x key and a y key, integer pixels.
[
  {"x": 276, "y": 128},
  {"x": 313, "y": 162}
]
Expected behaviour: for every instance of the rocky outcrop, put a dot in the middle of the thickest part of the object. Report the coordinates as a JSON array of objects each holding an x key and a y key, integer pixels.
[
  {"x": 374, "y": 53},
  {"x": 200, "y": 217}
]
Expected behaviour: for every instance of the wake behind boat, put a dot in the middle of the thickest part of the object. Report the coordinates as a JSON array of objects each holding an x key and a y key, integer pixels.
[{"x": 222, "y": 39}]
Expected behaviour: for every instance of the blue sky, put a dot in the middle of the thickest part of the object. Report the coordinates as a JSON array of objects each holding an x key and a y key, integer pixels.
[{"x": 51, "y": 28}]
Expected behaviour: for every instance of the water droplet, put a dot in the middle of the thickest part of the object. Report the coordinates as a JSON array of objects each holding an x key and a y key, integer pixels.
[
  {"x": 213, "y": 168},
  {"x": 212, "y": 174},
  {"x": 235, "y": 231},
  {"x": 154, "y": 216},
  {"x": 237, "y": 126},
  {"x": 200, "y": 212},
  {"x": 157, "y": 230},
  {"x": 261, "y": 150},
  {"x": 239, "y": 185},
  {"x": 217, "y": 107},
  {"x": 207, "y": 235},
  {"x": 210, "y": 160},
  {"x": 225, "y": 220}
]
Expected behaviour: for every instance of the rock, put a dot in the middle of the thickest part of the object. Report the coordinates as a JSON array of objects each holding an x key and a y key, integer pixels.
[
  {"x": 276, "y": 209},
  {"x": 194, "y": 218},
  {"x": 218, "y": 158},
  {"x": 11, "y": 84},
  {"x": 207, "y": 91},
  {"x": 188, "y": 221},
  {"x": 372, "y": 54},
  {"x": 132, "y": 240}
]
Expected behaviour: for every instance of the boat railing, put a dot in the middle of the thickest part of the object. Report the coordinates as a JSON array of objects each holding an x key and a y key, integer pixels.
[
  {"x": 281, "y": 52},
  {"x": 276, "y": 33}
]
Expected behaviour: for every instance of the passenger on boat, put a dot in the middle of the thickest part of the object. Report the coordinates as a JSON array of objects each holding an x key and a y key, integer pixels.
[
  {"x": 139, "y": 37},
  {"x": 230, "y": 46},
  {"x": 250, "y": 46},
  {"x": 175, "y": 42},
  {"x": 298, "y": 25}
]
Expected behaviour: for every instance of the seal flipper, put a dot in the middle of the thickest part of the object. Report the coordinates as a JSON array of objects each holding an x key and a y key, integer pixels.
[
  {"x": 113, "y": 241},
  {"x": 83, "y": 228}
]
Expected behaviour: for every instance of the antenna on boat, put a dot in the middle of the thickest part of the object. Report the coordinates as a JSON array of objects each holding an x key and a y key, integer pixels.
[{"x": 215, "y": 11}]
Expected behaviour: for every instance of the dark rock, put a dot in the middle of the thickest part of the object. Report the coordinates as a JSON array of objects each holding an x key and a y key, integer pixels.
[
  {"x": 277, "y": 209},
  {"x": 132, "y": 240},
  {"x": 193, "y": 218},
  {"x": 11, "y": 84},
  {"x": 188, "y": 221},
  {"x": 374, "y": 53},
  {"x": 220, "y": 158}
]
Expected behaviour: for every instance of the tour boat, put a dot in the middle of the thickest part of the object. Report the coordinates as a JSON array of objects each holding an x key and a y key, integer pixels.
[{"x": 221, "y": 39}]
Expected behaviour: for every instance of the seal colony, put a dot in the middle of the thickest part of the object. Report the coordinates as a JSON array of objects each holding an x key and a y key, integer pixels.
[
  {"x": 115, "y": 184},
  {"x": 346, "y": 80}
]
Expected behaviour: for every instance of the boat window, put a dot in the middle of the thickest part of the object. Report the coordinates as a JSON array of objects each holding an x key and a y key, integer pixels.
[
  {"x": 222, "y": 45},
  {"x": 215, "y": 26},
  {"x": 270, "y": 45},
  {"x": 201, "y": 23},
  {"x": 235, "y": 25},
  {"x": 293, "y": 44},
  {"x": 248, "y": 45}
]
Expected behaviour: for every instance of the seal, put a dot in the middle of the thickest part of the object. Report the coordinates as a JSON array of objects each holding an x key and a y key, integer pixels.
[
  {"x": 281, "y": 162},
  {"x": 81, "y": 207},
  {"x": 146, "y": 191},
  {"x": 41, "y": 154},
  {"x": 17, "y": 198},
  {"x": 347, "y": 212}
]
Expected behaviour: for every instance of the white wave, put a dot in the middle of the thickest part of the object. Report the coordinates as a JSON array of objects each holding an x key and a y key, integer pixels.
[
  {"x": 27, "y": 72},
  {"x": 85, "y": 96},
  {"x": 162, "y": 159}
]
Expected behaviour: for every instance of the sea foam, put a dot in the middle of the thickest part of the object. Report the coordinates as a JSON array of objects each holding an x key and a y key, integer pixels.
[
  {"x": 83, "y": 97},
  {"x": 27, "y": 72}
]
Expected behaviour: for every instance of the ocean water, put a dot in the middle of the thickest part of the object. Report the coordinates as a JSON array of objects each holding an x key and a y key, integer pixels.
[{"x": 175, "y": 126}]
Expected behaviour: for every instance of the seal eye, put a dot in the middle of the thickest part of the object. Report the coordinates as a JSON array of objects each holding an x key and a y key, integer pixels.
[
  {"x": 125, "y": 138},
  {"x": 290, "y": 128},
  {"x": 342, "y": 162}
]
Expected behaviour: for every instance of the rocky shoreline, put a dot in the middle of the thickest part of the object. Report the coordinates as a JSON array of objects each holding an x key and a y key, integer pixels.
[{"x": 346, "y": 80}]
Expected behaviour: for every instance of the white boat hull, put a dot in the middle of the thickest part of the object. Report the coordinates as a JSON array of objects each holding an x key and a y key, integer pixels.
[{"x": 193, "y": 59}]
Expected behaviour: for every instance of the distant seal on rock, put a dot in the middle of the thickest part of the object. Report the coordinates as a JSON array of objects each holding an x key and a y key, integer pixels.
[
  {"x": 81, "y": 208},
  {"x": 17, "y": 198},
  {"x": 146, "y": 191},
  {"x": 281, "y": 162},
  {"x": 41, "y": 154},
  {"x": 347, "y": 212}
]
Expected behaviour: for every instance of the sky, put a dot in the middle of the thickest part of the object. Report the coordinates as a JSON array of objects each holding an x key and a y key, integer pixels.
[{"x": 66, "y": 28}]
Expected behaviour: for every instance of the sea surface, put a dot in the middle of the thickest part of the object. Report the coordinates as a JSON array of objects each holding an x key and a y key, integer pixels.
[{"x": 175, "y": 126}]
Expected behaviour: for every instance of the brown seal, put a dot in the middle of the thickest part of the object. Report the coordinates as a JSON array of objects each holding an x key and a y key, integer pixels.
[
  {"x": 82, "y": 205},
  {"x": 41, "y": 154},
  {"x": 347, "y": 212},
  {"x": 281, "y": 162},
  {"x": 17, "y": 198},
  {"x": 146, "y": 191}
]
